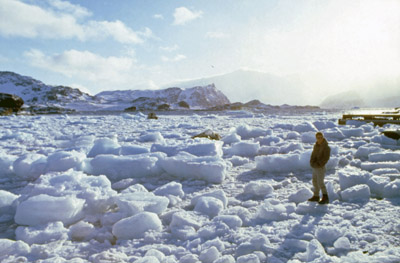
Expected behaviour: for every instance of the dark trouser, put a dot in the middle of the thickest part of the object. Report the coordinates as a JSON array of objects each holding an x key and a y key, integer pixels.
[{"x": 318, "y": 177}]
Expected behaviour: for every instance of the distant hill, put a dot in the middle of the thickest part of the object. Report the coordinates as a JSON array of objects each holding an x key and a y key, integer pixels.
[
  {"x": 351, "y": 99},
  {"x": 199, "y": 97},
  {"x": 41, "y": 98},
  {"x": 246, "y": 85}
]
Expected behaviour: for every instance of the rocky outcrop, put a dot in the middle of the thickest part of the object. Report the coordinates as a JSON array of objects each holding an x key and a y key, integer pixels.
[
  {"x": 209, "y": 134},
  {"x": 10, "y": 103},
  {"x": 201, "y": 97}
]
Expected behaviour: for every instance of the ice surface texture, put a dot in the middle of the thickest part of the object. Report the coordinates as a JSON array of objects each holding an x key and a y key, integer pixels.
[{"x": 121, "y": 188}]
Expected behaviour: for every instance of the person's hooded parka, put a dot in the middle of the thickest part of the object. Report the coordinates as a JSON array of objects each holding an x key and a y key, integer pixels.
[{"x": 320, "y": 154}]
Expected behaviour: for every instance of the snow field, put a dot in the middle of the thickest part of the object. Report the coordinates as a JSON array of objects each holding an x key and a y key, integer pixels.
[{"x": 121, "y": 188}]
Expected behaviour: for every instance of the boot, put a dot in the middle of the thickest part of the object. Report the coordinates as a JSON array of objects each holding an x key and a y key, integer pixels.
[
  {"x": 314, "y": 199},
  {"x": 324, "y": 200}
]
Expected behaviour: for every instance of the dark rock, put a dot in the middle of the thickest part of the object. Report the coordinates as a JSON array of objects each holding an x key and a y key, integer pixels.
[
  {"x": 40, "y": 109},
  {"x": 209, "y": 134},
  {"x": 152, "y": 115},
  {"x": 392, "y": 134},
  {"x": 11, "y": 101},
  {"x": 164, "y": 106},
  {"x": 183, "y": 104},
  {"x": 5, "y": 111},
  {"x": 133, "y": 108}
]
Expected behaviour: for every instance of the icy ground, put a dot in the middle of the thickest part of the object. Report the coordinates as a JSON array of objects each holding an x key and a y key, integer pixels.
[{"x": 122, "y": 188}]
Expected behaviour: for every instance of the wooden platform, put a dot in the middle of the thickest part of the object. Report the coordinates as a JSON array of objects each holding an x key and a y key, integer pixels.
[{"x": 377, "y": 116}]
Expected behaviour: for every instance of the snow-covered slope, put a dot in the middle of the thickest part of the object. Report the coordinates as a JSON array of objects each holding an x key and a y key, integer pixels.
[
  {"x": 200, "y": 97},
  {"x": 367, "y": 98},
  {"x": 35, "y": 92},
  {"x": 245, "y": 85}
]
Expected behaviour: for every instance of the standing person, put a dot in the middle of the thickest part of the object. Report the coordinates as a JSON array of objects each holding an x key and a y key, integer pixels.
[{"x": 319, "y": 157}]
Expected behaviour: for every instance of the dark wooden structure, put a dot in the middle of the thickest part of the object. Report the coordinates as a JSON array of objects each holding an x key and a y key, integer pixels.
[{"x": 377, "y": 116}]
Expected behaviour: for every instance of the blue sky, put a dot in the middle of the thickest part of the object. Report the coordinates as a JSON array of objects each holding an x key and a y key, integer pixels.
[{"x": 123, "y": 44}]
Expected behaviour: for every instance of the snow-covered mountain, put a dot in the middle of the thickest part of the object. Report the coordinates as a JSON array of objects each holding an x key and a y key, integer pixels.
[
  {"x": 199, "y": 97},
  {"x": 40, "y": 97},
  {"x": 37, "y": 94},
  {"x": 366, "y": 99},
  {"x": 246, "y": 85}
]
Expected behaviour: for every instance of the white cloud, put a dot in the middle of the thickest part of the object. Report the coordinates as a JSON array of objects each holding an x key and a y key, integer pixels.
[
  {"x": 83, "y": 65},
  {"x": 116, "y": 29},
  {"x": 182, "y": 15},
  {"x": 65, "y": 6},
  {"x": 158, "y": 16},
  {"x": 18, "y": 19},
  {"x": 177, "y": 58},
  {"x": 216, "y": 35},
  {"x": 170, "y": 49}
]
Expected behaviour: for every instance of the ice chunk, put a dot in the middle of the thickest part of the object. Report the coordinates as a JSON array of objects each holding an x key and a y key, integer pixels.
[
  {"x": 225, "y": 259},
  {"x": 334, "y": 134},
  {"x": 7, "y": 202},
  {"x": 152, "y": 137},
  {"x": 6, "y": 162},
  {"x": 209, "y": 206},
  {"x": 42, "y": 209},
  {"x": 384, "y": 157},
  {"x": 205, "y": 149},
  {"x": 269, "y": 140},
  {"x": 42, "y": 234},
  {"x": 377, "y": 185},
  {"x": 63, "y": 161},
  {"x": 258, "y": 188},
  {"x": 322, "y": 125},
  {"x": 272, "y": 210},
  {"x": 218, "y": 194},
  {"x": 245, "y": 149},
  {"x": 383, "y": 140},
  {"x": 279, "y": 163},
  {"x": 392, "y": 189},
  {"x": 172, "y": 188},
  {"x": 364, "y": 151},
  {"x": 155, "y": 253},
  {"x": 308, "y": 137},
  {"x": 359, "y": 192},
  {"x": 293, "y": 135},
  {"x": 305, "y": 127},
  {"x": 328, "y": 234},
  {"x": 316, "y": 252},
  {"x": 231, "y": 138},
  {"x": 82, "y": 231},
  {"x": 11, "y": 247},
  {"x": 349, "y": 178},
  {"x": 95, "y": 190},
  {"x": 383, "y": 171},
  {"x": 142, "y": 223},
  {"x": 185, "y": 165},
  {"x": 301, "y": 195},
  {"x": 121, "y": 167},
  {"x": 250, "y": 258},
  {"x": 30, "y": 166},
  {"x": 231, "y": 221},
  {"x": 342, "y": 244},
  {"x": 133, "y": 203},
  {"x": 209, "y": 255},
  {"x": 370, "y": 166},
  {"x": 246, "y": 132},
  {"x": 353, "y": 132},
  {"x": 132, "y": 150},
  {"x": 238, "y": 161},
  {"x": 184, "y": 225},
  {"x": 105, "y": 146}
]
